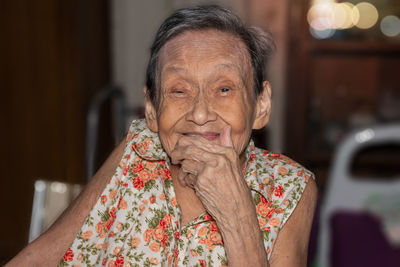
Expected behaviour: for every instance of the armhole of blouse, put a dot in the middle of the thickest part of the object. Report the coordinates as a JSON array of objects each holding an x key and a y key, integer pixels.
[{"x": 299, "y": 189}]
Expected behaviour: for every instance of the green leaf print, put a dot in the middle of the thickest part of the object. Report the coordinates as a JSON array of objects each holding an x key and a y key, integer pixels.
[{"x": 149, "y": 185}]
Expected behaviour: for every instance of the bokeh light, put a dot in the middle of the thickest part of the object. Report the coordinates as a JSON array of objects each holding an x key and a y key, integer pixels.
[
  {"x": 390, "y": 26},
  {"x": 322, "y": 34},
  {"x": 368, "y": 15},
  {"x": 320, "y": 16},
  {"x": 343, "y": 15},
  {"x": 327, "y": 16}
]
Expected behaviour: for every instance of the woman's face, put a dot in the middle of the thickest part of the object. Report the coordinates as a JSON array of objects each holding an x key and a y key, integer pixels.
[{"x": 205, "y": 83}]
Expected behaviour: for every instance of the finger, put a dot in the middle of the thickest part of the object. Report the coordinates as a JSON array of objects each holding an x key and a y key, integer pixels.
[
  {"x": 205, "y": 144},
  {"x": 194, "y": 140},
  {"x": 181, "y": 177},
  {"x": 190, "y": 180},
  {"x": 225, "y": 138},
  {"x": 191, "y": 167},
  {"x": 194, "y": 153}
]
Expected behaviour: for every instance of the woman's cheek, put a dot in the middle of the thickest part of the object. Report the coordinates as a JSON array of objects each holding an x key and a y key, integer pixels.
[{"x": 168, "y": 142}]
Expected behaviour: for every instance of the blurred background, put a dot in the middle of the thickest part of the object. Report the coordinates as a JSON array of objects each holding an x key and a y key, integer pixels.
[{"x": 73, "y": 71}]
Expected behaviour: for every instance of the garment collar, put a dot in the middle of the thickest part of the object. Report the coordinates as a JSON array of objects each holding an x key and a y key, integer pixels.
[{"x": 147, "y": 144}]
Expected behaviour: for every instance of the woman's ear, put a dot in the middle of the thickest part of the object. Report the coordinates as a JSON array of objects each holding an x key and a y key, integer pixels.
[
  {"x": 150, "y": 111},
  {"x": 263, "y": 107}
]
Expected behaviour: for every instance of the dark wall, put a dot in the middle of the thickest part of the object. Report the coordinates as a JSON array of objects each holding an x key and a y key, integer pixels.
[{"x": 54, "y": 58}]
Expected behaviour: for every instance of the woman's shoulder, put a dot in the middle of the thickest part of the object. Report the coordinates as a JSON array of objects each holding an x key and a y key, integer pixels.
[
  {"x": 145, "y": 143},
  {"x": 280, "y": 165}
]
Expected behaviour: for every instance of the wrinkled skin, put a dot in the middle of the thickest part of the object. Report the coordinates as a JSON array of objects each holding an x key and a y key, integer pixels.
[{"x": 206, "y": 112}]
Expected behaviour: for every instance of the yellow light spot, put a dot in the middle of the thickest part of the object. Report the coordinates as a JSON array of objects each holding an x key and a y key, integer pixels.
[
  {"x": 320, "y": 16},
  {"x": 368, "y": 15},
  {"x": 342, "y": 16}
]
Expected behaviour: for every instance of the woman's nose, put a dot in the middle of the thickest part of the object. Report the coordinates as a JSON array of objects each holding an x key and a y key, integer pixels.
[{"x": 201, "y": 112}]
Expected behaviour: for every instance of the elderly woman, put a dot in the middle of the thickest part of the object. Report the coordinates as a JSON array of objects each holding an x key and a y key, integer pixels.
[{"x": 188, "y": 187}]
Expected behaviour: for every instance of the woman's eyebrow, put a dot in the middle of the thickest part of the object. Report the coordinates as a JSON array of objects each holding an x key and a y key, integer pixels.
[
  {"x": 174, "y": 69},
  {"x": 231, "y": 67}
]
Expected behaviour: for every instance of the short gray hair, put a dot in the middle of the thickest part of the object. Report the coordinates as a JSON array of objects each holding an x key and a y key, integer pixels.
[{"x": 259, "y": 43}]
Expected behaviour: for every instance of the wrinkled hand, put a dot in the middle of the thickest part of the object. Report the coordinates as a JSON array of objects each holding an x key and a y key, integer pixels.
[{"x": 214, "y": 172}]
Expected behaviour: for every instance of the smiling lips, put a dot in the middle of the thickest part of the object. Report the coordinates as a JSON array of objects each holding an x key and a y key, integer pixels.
[{"x": 211, "y": 136}]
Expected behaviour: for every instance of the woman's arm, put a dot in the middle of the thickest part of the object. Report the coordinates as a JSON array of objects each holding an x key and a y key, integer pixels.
[
  {"x": 215, "y": 174},
  {"x": 290, "y": 249},
  {"x": 49, "y": 248}
]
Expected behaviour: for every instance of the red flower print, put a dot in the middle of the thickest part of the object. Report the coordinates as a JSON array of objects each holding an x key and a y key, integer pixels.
[
  {"x": 134, "y": 146},
  {"x": 126, "y": 169},
  {"x": 282, "y": 171},
  {"x": 137, "y": 183},
  {"x": 167, "y": 173},
  {"x": 152, "y": 199},
  {"x": 163, "y": 224},
  {"x": 146, "y": 143},
  {"x": 176, "y": 252},
  {"x": 176, "y": 235},
  {"x": 270, "y": 213},
  {"x": 123, "y": 204},
  {"x": 68, "y": 256},
  {"x": 113, "y": 193},
  {"x": 145, "y": 176},
  {"x": 87, "y": 234},
  {"x": 164, "y": 241},
  {"x": 167, "y": 218},
  {"x": 252, "y": 157},
  {"x": 274, "y": 222},
  {"x": 155, "y": 247},
  {"x": 135, "y": 242},
  {"x": 275, "y": 156},
  {"x": 159, "y": 232},
  {"x": 213, "y": 227},
  {"x": 278, "y": 191},
  {"x": 120, "y": 261},
  {"x": 215, "y": 238},
  {"x": 263, "y": 200},
  {"x": 207, "y": 217},
  {"x": 104, "y": 261},
  {"x": 202, "y": 263},
  {"x": 300, "y": 173},
  {"x": 138, "y": 167},
  {"x": 262, "y": 209},
  {"x": 103, "y": 199},
  {"x": 111, "y": 220},
  {"x": 148, "y": 234},
  {"x": 100, "y": 227}
]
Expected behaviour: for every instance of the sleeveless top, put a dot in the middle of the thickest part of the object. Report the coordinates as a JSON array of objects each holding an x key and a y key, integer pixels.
[{"x": 136, "y": 221}]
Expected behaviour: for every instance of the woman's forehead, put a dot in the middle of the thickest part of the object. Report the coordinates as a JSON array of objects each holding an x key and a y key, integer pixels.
[{"x": 204, "y": 47}]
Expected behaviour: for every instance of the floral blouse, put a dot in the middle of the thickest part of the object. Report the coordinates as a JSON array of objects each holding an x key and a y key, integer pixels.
[{"x": 136, "y": 221}]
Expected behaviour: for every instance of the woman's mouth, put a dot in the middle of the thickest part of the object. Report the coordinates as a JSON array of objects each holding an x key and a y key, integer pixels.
[{"x": 211, "y": 136}]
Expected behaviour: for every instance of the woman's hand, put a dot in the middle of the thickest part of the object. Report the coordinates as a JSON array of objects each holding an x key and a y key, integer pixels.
[{"x": 214, "y": 172}]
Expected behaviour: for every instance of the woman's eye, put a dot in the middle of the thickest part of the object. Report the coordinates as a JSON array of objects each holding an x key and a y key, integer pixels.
[
  {"x": 178, "y": 93},
  {"x": 224, "y": 90}
]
